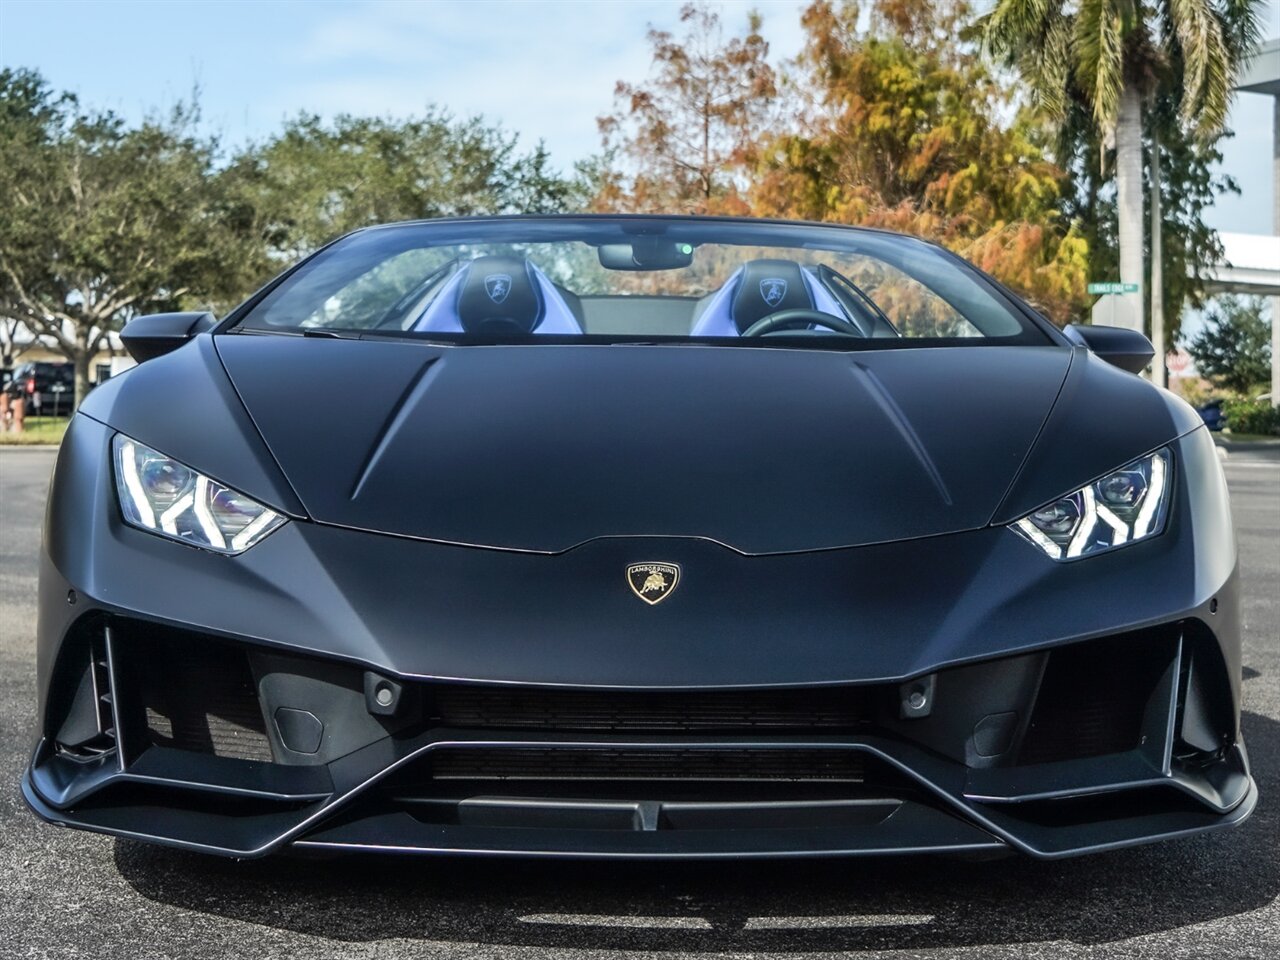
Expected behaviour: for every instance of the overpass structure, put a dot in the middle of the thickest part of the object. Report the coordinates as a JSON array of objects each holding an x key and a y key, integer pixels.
[{"x": 1252, "y": 263}]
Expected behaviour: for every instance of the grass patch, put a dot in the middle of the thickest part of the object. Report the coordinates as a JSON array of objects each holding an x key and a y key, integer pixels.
[
  {"x": 1250, "y": 438},
  {"x": 37, "y": 430}
]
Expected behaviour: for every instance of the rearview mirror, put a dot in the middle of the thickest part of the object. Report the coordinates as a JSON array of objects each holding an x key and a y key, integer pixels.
[
  {"x": 1120, "y": 346},
  {"x": 156, "y": 335},
  {"x": 646, "y": 253}
]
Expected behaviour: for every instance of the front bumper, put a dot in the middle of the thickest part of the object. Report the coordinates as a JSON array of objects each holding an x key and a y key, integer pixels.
[
  {"x": 236, "y": 750},
  {"x": 230, "y": 705}
]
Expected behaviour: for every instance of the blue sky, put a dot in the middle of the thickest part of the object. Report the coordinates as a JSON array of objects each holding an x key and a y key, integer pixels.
[{"x": 544, "y": 70}]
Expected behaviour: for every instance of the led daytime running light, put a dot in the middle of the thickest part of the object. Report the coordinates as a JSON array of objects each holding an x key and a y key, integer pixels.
[
  {"x": 1099, "y": 525},
  {"x": 164, "y": 497}
]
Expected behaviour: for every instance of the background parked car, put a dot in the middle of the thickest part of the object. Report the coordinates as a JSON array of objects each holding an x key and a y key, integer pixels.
[
  {"x": 47, "y": 389},
  {"x": 1212, "y": 415}
]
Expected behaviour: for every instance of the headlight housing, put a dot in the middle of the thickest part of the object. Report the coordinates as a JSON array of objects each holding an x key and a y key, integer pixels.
[
  {"x": 162, "y": 496},
  {"x": 1125, "y": 506}
]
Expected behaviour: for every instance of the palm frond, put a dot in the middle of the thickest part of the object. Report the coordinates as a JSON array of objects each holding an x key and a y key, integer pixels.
[
  {"x": 1048, "y": 68},
  {"x": 1207, "y": 73},
  {"x": 1012, "y": 27},
  {"x": 1099, "y": 46},
  {"x": 1242, "y": 27},
  {"x": 1034, "y": 35}
]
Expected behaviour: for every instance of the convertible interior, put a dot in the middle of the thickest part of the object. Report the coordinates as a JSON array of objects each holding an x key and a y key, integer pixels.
[
  {"x": 762, "y": 297},
  {"x": 595, "y": 280}
]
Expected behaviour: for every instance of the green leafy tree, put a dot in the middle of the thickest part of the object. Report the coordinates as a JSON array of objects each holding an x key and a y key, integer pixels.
[
  {"x": 102, "y": 221},
  {"x": 1234, "y": 348},
  {"x": 317, "y": 180},
  {"x": 1106, "y": 59},
  {"x": 1191, "y": 180}
]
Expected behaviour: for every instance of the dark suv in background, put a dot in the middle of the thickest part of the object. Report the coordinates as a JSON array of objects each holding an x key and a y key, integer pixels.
[
  {"x": 1212, "y": 415},
  {"x": 48, "y": 389}
]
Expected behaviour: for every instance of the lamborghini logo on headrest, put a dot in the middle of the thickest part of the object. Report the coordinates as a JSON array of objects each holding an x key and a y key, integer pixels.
[
  {"x": 773, "y": 289},
  {"x": 497, "y": 285},
  {"x": 653, "y": 582}
]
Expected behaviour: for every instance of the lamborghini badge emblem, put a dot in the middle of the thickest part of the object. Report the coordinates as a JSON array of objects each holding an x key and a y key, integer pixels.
[
  {"x": 772, "y": 290},
  {"x": 497, "y": 285},
  {"x": 653, "y": 582}
]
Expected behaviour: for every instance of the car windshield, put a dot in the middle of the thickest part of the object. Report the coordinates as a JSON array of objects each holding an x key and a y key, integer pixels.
[{"x": 648, "y": 279}]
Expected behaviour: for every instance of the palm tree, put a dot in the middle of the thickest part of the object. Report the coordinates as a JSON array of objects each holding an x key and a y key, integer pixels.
[{"x": 1113, "y": 55}]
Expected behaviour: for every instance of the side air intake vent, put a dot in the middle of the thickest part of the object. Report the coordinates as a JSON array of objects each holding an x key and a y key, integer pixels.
[
  {"x": 89, "y": 729},
  {"x": 1094, "y": 696},
  {"x": 191, "y": 692}
]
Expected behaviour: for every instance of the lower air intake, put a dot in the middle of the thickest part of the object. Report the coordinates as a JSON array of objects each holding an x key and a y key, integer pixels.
[
  {"x": 1094, "y": 696},
  {"x": 192, "y": 693},
  {"x": 664, "y": 764},
  {"x": 677, "y": 711}
]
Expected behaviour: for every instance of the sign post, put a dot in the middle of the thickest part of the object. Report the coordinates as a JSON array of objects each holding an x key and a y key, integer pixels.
[{"x": 1107, "y": 309}]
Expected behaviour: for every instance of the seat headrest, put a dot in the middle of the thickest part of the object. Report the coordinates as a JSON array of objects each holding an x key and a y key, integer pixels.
[
  {"x": 755, "y": 290},
  {"x": 767, "y": 286},
  {"x": 500, "y": 291},
  {"x": 503, "y": 294}
]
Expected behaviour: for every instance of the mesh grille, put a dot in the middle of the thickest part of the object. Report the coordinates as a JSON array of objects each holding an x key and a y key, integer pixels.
[
  {"x": 651, "y": 711},
  {"x": 197, "y": 696},
  {"x": 665, "y": 764},
  {"x": 1093, "y": 698}
]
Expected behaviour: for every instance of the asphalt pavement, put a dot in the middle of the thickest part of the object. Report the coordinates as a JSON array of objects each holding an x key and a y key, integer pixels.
[{"x": 70, "y": 894}]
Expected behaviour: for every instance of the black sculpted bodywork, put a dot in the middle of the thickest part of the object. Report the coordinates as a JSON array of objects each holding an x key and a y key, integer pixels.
[{"x": 621, "y": 596}]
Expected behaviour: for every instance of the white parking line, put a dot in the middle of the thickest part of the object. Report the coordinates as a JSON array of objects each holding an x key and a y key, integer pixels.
[
  {"x": 609, "y": 920},
  {"x": 838, "y": 922},
  {"x": 857, "y": 920}
]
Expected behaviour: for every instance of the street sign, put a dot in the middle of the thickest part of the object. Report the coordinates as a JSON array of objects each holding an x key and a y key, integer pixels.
[
  {"x": 1177, "y": 362},
  {"x": 1113, "y": 287}
]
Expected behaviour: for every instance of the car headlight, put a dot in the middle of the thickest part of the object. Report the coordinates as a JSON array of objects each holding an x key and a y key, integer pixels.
[
  {"x": 1123, "y": 507},
  {"x": 169, "y": 499}
]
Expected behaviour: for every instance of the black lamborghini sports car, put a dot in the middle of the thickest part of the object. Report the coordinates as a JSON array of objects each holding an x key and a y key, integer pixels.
[{"x": 637, "y": 537}]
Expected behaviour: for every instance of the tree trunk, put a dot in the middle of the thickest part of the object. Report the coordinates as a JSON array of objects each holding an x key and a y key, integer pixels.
[
  {"x": 81, "y": 360},
  {"x": 1129, "y": 204},
  {"x": 1157, "y": 272}
]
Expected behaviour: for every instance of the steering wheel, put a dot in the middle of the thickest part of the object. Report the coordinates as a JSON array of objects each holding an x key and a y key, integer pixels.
[{"x": 799, "y": 319}]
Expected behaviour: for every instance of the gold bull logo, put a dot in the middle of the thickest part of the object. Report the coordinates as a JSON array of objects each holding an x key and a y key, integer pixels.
[{"x": 653, "y": 582}]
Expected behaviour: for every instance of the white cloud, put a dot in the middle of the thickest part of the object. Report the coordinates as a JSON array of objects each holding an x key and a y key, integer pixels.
[{"x": 545, "y": 71}]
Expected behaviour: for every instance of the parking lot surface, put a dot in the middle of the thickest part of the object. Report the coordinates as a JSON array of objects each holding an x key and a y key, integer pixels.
[{"x": 71, "y": 894}]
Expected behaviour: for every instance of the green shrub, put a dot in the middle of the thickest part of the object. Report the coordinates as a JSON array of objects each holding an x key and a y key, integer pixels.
[{"x": 1253, "y": 416}]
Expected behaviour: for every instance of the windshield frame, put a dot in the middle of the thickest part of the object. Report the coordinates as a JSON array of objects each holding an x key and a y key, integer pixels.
[{"x": 1035, "y": 330}]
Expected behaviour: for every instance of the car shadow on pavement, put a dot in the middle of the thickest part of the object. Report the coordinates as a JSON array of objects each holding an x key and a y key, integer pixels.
[{"x": 753, "y": 906}]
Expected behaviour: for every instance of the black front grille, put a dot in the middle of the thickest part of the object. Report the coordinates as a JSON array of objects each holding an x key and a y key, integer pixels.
[
  {"x": 523, "y": 708},
  {"x": 654, "y": 764}
]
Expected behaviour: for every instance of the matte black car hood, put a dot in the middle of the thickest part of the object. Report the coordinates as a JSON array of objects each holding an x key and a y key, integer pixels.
[{"x": 541, "y": 448}]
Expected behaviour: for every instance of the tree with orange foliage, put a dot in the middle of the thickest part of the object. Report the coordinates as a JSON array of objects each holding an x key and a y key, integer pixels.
[
  {"x": 889, "y": 120},
  {"x": 906, "y": 128},
  {"x": 685, "y": 137}
]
